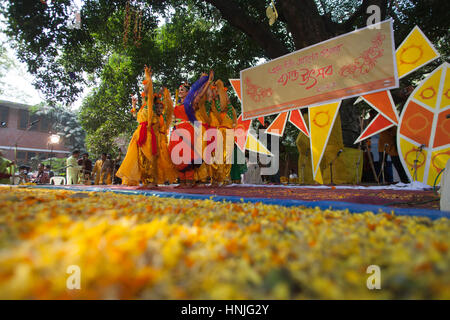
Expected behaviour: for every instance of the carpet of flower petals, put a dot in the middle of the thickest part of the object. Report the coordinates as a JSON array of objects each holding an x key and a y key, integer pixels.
[
  {"x": 394, "y": 198},
  {"x": 156, "y": 248}
]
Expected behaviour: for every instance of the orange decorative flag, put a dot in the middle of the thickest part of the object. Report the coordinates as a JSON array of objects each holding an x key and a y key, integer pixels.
[
  {"x": 236, "y": 84},
  {"x": 242, "y": 127},
  {"x": 241, "y": 132},
  {"x": 378, "y": 124},
  {"x": 321, "y": 121},
  {"x": 276, "y": 128},
  {"x": 414, "y": 52},
  {"x": 383, "y": 103},
  {"x": 296, "y": 118},
  {"x": 261, "y": 120}
]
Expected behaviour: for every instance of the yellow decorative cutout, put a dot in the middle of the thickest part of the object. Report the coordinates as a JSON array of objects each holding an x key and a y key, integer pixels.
[
  {"x": 415, "y": 51},
  {"x": 428, "y": 92},
  {"x": 429, "y": 128},
  {"x": 253, "y": 144},
  {"x": 318, "y": 178},
  {"x": 445, "y": 100},
  {"x": 321, "y": 121},
  {"x": 412, "y": 153},
  {"x": 439, "y": 159}
]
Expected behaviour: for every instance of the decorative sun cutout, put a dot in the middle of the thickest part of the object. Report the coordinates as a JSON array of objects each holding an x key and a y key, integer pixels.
[
  {"x": 420, "y": 158},
  {"x": 431, "y": 93},
  {"x": 439, "y": 168},
  {"x": 417, "y": 127},
  {"x": 446, "y": 93},
  {"x": 321, "y": 119},
  {"x": 414, "y": 51}
]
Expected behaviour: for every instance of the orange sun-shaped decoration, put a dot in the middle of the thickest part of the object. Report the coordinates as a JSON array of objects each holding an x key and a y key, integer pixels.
[
  {"x": 446, "y": 93},
  {"x": 417, "y": 55},
  {"x": 417, "y": 127},
  {"x": 431, "y": 93},
  {"x": 321, "y": 121},
  {"x": 420, "y": 162},
  {"x": 437, "y": 155}
]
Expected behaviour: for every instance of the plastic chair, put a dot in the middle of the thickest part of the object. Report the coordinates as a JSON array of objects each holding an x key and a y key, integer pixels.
[{"x": 57, "y": 180}]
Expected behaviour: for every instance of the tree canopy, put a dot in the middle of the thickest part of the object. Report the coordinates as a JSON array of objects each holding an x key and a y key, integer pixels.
[{"x": 181, "y": 39}]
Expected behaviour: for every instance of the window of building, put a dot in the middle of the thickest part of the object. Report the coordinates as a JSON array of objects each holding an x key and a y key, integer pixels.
[
  {"x": 21, "y": 157},
  {"x": 4, "y": 115},
  {"x": 45, "y": 124},
  {"x": 23, "y": 119},
  {"x": 36, "y": 122},
  {"x": 31, "y": 155}
]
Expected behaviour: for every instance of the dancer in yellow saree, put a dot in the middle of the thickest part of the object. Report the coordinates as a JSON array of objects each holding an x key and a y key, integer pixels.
[
  {"x": 202, "y": 173},
  {"x": 227, "y": 120},
  {"x": 140, "y": 161},
  {"x": 161, "y": 121}
]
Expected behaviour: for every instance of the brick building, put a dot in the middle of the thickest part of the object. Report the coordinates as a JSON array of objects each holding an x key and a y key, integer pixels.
[{"x": 31, "y": 133}]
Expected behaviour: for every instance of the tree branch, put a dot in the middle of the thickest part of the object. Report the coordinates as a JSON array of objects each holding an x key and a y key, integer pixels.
[
  {"x": 304, "y": 22},
  {"x": 258, "y": 31}
]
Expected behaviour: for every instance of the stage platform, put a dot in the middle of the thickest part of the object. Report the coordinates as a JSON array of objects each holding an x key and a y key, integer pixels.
[{"x": 412, "y": 199}]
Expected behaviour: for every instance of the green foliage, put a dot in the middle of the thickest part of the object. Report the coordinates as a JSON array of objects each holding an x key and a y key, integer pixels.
[
  {"x": 57, "y": 165},
  {"x": 105, "y": 112},
  {"x": 65, "y": 123},
  {"x": 6, "y": 63},
  {"x": 180, "y": 39}
]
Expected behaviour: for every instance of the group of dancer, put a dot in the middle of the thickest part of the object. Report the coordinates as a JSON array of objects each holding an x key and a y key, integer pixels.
[{"x": 152, "y": 159}]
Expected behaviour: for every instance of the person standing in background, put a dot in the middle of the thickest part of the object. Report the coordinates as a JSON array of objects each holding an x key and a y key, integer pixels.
[
  {"x": 253, "y": 173},
  {"x": 237, "y": 169},
  {"x": 106, "y": 171},
  {"x": 98, "y": 168},
  {"x": 86, "y": 168},
  {"x": 23, "y": 174},
  {"x": 116, "y": 165},
  {"x": 73, "y": 169},
  {"x": 5, "y": 169},
  {"x": 42, "y": 176},
  {"x": 388, "y": 141},
  {"x": 48, "y": 168}
]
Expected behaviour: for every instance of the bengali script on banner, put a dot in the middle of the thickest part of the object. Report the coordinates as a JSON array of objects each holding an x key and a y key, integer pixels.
[{"x": 353, "y": 64}]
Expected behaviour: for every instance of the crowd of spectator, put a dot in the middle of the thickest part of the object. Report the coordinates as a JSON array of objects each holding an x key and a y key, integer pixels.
[{"x": 79, "y": 170}]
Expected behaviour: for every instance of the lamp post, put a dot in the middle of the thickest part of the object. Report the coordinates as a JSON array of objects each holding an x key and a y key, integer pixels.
[
  {"x": 54, "y": 139},
  {"x": 15, "y": 146}
]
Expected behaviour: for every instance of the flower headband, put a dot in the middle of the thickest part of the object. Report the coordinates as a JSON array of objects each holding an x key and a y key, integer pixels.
[
  {"x": 184, "y": 85},
  {"x": 157, "y": 98}
]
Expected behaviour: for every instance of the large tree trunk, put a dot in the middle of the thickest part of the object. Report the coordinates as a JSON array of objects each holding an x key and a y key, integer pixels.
[
  {"x": 304, "y": 22},
  {"x": 257, "y": 30}
]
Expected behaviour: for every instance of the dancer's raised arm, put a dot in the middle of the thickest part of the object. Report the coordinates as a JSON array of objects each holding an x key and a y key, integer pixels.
[
  {"x": 205, "y": 86},
  {"x": 133, "y": 105},
  {"x": 222, "y": 95},
  {"x": 168, "y": 106},
  {"x": 212, "y": 98},
  {"x": 148, "y": 92}
]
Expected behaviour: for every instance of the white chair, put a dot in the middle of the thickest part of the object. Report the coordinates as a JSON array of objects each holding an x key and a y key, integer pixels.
[
  {"x": 57, "y": 180},
  {"x": 16, "y": 180}
]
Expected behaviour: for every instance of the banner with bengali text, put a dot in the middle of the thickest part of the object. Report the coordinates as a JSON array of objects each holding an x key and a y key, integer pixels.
[{"x": 353, "y": 64}]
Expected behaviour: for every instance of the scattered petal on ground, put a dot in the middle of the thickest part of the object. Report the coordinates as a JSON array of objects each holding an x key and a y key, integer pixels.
[{"x": 156, "y": 248}]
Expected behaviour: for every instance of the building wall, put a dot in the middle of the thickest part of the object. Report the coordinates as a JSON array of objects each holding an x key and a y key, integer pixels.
[{"x": 14, "y": 119}]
